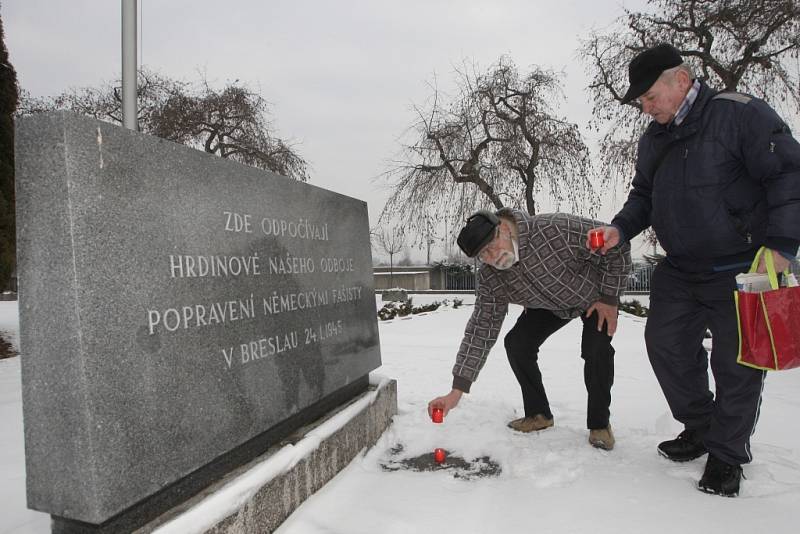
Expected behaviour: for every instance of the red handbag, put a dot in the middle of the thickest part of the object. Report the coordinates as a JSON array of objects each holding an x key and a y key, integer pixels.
[{"x": 769, "y": 323}]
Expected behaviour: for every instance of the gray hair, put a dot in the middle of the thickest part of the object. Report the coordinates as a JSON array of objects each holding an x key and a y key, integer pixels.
[{"x": 670, "y": 73}]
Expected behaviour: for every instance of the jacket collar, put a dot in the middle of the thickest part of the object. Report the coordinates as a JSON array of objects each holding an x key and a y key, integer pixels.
[
  {"x": 691, "y": 123},
  {"x": 696, "y": 113},
  {"x": 688, "y": 102}
]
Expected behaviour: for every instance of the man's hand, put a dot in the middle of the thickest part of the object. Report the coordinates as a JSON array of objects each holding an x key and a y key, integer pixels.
[
  {"x": 606, "y": 313},
  {"x": 446, "y": 403},
  {"x": 610, "y": 238},
  {"x": 781, "y": 263}
]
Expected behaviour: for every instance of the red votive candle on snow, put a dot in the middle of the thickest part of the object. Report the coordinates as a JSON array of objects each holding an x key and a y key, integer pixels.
[
  {"x": 596, "y": 238},
  {"x": 439, "y": 456},
  {"x": 437, "y": 415}
]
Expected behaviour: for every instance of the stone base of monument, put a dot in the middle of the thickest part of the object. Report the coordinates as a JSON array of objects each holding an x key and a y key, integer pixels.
[{"x": 259, "y": 496}]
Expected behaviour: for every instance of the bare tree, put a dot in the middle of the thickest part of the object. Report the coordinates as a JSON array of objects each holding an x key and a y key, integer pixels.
[
  {"x": 405, "y": 259},
  {"x": 105, "y": 101},
  {"x": 743, "y": 45},
  {"x": 232, "y": 122},
  {"x": 497, "y": 143},
  {"x": 430, "y": 240},
  {"x": 391, "y": 241}
]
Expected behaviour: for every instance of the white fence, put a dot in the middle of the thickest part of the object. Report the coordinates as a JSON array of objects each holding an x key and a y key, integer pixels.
[{"x": 462, "y": 280}]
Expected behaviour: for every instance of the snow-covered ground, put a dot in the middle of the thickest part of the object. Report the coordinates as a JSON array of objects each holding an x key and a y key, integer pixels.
[
  {"x": 551, "y": 482},
  {"x": 14, "y": 516},
  {"x": 9, "y": 322}
]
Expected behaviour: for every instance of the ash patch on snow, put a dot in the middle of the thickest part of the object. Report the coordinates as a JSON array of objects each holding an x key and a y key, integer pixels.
[
  {"x": 480, "y": 467},
  {"x": 6, "y": 350}
]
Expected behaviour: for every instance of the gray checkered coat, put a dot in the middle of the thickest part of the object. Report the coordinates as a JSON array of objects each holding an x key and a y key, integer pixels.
[{"x": 555, "y": 272}]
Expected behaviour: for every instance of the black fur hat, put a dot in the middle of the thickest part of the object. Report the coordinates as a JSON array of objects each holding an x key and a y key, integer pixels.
[{"x": 476, "y": 234}]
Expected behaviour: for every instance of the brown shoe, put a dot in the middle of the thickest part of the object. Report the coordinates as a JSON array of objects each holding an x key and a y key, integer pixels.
[
  {"x": 531, "y": 424},
  {"x": 602, "y": 438}
]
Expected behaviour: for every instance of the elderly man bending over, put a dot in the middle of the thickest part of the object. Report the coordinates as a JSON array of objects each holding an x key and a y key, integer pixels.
[{"x": 541, "y": 262}]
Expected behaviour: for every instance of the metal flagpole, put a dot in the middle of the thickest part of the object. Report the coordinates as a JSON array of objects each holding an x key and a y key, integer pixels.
[{"x": 129, "y": 66}]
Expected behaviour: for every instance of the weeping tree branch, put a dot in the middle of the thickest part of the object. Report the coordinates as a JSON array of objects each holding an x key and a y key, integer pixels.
[
  {"x": 232, "y": 122},
  {"x": 498, "y": 142}
]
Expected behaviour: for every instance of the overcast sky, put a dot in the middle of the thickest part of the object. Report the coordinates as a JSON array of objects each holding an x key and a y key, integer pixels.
[{"x": 342, "y": 76}]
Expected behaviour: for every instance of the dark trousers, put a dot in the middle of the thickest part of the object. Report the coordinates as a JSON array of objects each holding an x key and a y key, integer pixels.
[
  {"x": 522, "y": 344},
  {"x": 682, "y": 306}
]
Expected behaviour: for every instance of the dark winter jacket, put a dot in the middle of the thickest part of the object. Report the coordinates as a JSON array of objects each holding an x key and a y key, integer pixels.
[
  {"x": 555, "y": 272},
  {"x": 718, "y": 186}
]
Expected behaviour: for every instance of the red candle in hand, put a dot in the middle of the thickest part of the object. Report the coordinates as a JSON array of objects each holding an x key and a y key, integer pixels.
[
  {"x": 437, "y": 414},
  {"x": 596, "y": 238},
  {"x": 439, "y": 456}
]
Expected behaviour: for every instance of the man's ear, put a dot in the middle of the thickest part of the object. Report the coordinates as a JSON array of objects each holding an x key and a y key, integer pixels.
[{"x": 684, "y": 79}]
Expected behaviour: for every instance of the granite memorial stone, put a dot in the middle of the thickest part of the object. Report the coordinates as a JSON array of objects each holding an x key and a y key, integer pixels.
[{"x": 174, "y": 307}]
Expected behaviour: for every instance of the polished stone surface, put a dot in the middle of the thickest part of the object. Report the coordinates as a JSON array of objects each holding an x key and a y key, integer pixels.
[{"x": 173, "y": 305}]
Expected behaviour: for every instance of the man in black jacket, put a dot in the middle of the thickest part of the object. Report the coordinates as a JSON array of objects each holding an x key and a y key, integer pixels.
[{"x": 717, "y": 177}]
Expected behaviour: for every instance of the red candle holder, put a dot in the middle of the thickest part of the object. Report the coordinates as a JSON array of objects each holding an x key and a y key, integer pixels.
[
  {"x": 596, "y": 238},
  {"x": 437, "y": 415},
  {"x": 439, "y": 456}
]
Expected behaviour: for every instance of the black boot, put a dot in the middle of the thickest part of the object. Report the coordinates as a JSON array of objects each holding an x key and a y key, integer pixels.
[
  {"x": 687, "y": 446},
  {"x": 720, "y": 478}
]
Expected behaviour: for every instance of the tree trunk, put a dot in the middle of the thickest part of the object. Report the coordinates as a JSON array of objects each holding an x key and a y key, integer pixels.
[{"x": 529, "y": 203}]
